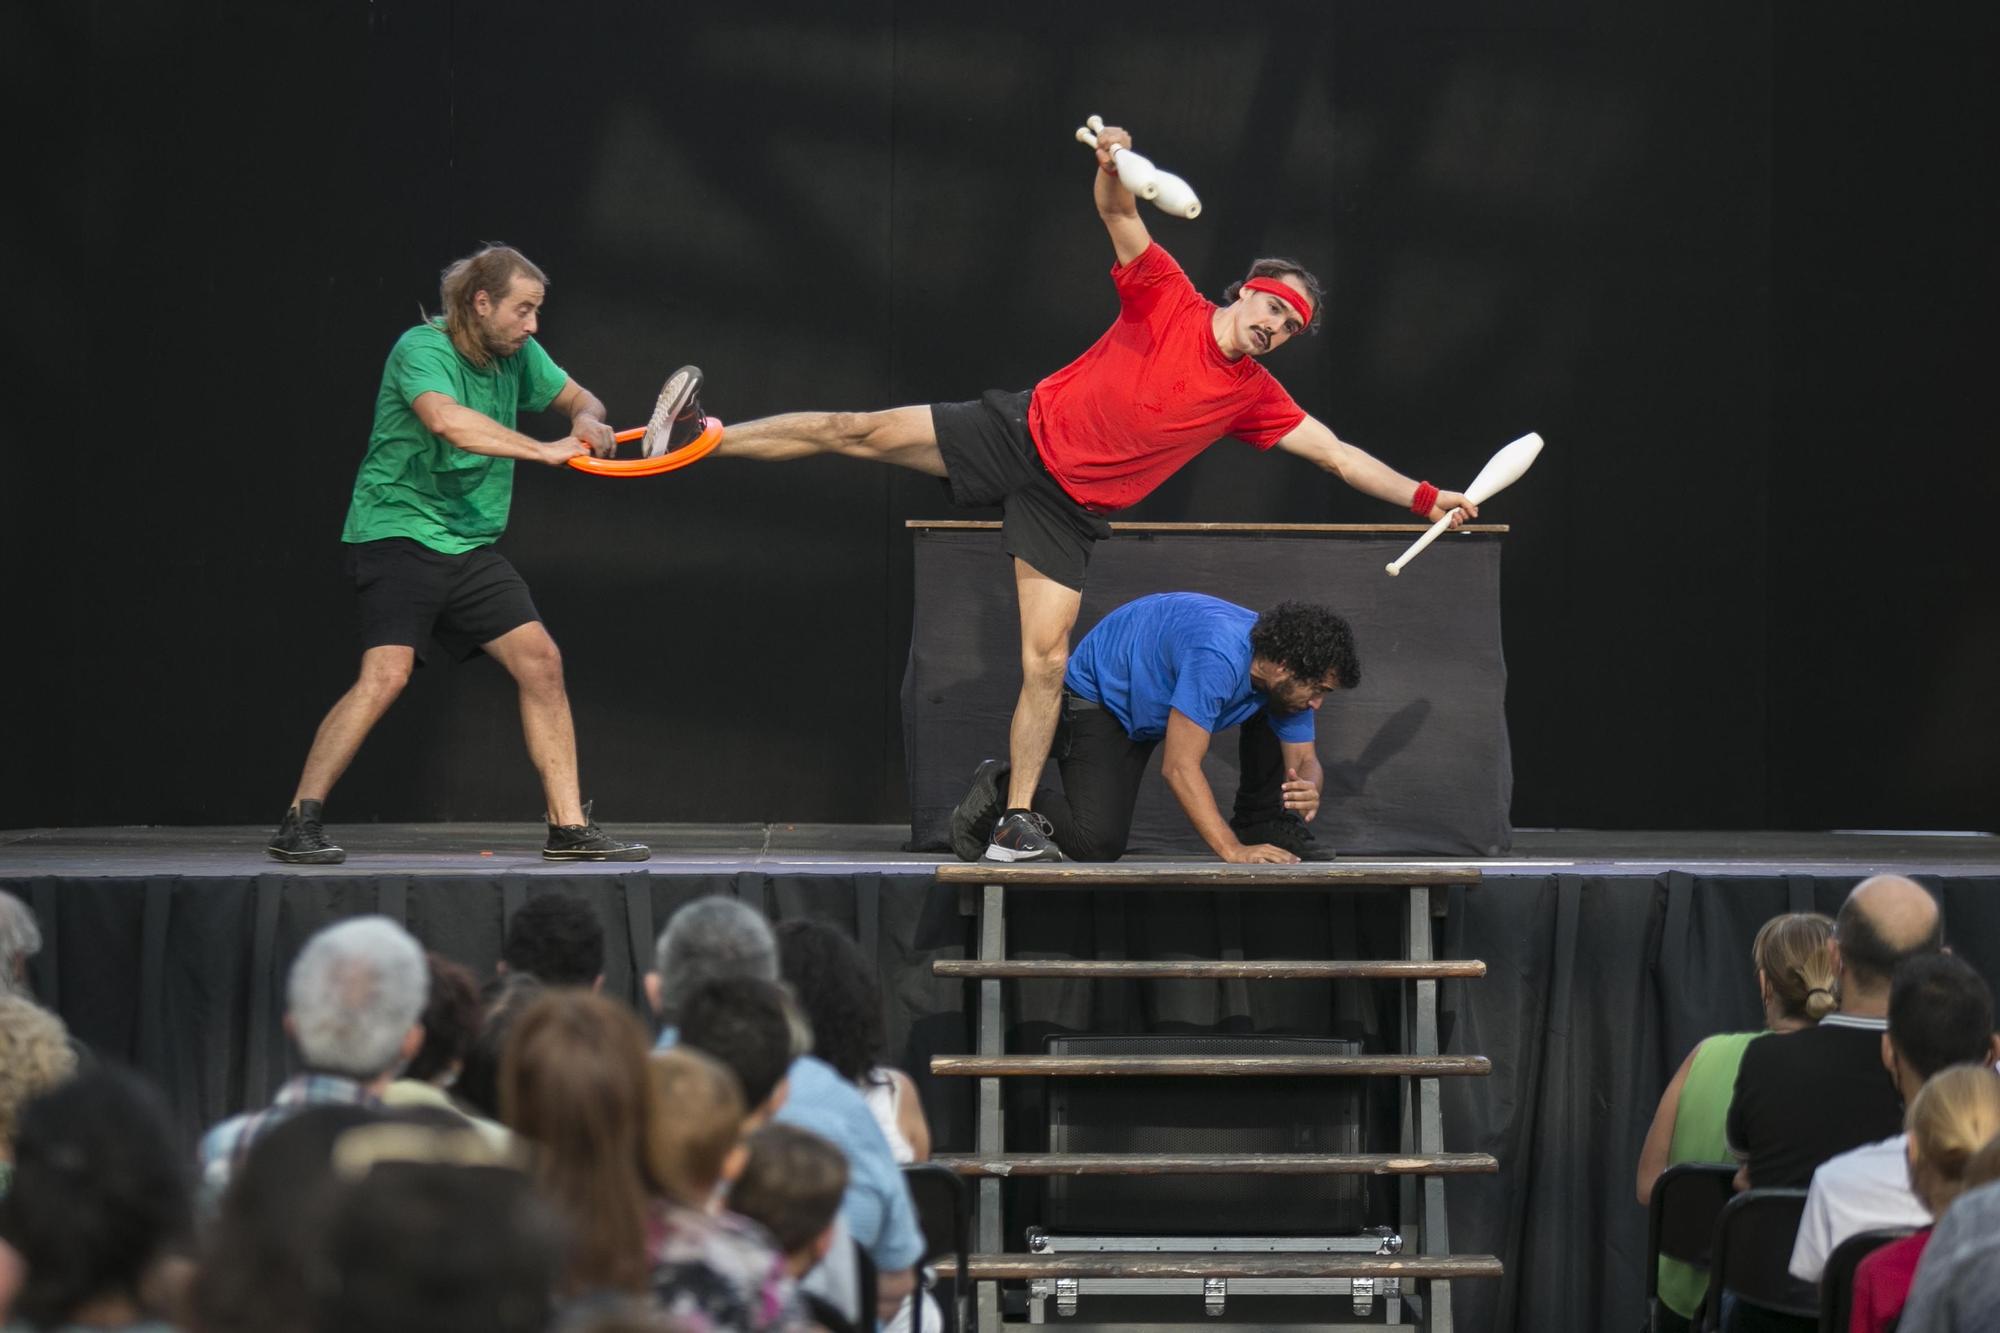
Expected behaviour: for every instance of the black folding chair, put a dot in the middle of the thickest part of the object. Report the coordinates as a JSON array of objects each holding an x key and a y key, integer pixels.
[
  {"x": 1680, "y": 1221},
  {"x": 944, "y": 1215},
  {"x": 1751, "y": 1255},
  {"x": 1836, "y": 1283}
]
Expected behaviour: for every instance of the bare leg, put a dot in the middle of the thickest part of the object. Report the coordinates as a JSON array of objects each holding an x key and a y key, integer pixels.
[
  {"x": 533, "y": 660},
  {"x": 1048, "y": 613},
  {"x": 901, "y": 435},
  {"x": 384, "y": 672}
]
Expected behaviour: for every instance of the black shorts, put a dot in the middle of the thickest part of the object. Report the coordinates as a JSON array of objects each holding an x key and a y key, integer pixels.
[
  {"x": 989, "y": 459},
  {"x": 411, "y": 594}
]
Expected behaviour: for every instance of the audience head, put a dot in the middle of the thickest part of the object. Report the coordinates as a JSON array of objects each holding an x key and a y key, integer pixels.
[
  {"x": 1885, "y": 919},
  {"x": 746, "y": 1023},
  {"x": 20, "y": 940},
  {"x": 792, "y": 1186},
  {"x": 35, "y": 1055},
  {"x": 356, "y": 992},
  {"x": 556, "y": 939},
  {"x": 709, "y": 938},
  {"x": 479, "y": 1082},
  {"x": 573, "y": 1082},
  {"x": 1940, "y": 1014},
  {"x": 267, "y": 1231},
  {"x": 1956, "y": 1114},
  {"x": 450, "y": 1021},
  {"x": 1795, "y": 966},
  {"x": 697, "y": 1126},
  {"x": 417, "y": 1247},
  {"x": 833, "y": 984},
  {"x": 99, "y": 1197},
  {"x": 1983, "y": 1168}
]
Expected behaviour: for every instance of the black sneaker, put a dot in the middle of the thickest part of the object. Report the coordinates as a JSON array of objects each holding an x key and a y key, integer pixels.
[
  {"x": 1287, "y": 831},
  {"x": 972, "y": 822},
  {"x": 677, "y": 416},
  {"x": 587, "y": 842},
  {"x": 1023, "y": 835},
  {"x": 301, "y": 841}
]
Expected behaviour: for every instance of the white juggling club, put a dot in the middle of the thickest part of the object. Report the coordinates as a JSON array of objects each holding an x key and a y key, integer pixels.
[
  {"x": 1501, "y": 471},
  {"x": 1166, "y": 191}
]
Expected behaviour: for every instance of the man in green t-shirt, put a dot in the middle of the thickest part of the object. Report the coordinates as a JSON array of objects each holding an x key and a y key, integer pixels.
[{"x": 430, "y": 499}]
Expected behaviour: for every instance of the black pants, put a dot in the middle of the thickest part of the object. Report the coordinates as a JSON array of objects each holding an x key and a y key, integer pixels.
[{"x": 1101, "y": 768}]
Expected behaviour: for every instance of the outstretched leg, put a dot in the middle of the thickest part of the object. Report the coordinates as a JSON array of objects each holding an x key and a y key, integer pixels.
[
  {"x": 385, "y": 671},
  {"x": 902, "y": 435}
]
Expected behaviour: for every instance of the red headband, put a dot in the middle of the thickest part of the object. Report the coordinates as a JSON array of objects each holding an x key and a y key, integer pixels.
[{"x": 1284, "y": 291}]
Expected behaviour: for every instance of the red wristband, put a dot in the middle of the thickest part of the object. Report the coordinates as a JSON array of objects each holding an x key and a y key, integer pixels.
[{"x": 1422, "y": 502}]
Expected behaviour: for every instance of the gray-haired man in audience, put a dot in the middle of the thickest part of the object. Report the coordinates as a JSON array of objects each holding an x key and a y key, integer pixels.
[
  {"x": 353, "y": 1004},
  {"x": 1940, "y": 1014},
  {"x": 20, "y": 940},
  {"x": 714, "y": 938}
]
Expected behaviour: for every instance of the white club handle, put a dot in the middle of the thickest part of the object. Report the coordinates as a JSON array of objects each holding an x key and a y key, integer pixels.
[{"x": 1395, "y": 566}]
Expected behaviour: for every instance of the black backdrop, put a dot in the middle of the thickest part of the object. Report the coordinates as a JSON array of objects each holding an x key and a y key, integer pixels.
[{"x": 1732, "y": 261}]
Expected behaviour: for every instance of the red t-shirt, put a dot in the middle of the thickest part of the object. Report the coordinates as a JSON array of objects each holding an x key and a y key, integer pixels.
[
  {"x": 1882, "y": 1282},
  {"x": 1152, "y": 393}
]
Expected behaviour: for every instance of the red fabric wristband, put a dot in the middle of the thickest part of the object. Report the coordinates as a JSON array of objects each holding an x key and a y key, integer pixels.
[
  {"x": 1284, "y": 291},
  {"x": 1422, "y": 502}
]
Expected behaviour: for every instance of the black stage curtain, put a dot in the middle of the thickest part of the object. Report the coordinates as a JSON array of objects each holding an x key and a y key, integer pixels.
[
  {"x": 1416, "y": 755},
  {"x": 1597, "y": 986}
]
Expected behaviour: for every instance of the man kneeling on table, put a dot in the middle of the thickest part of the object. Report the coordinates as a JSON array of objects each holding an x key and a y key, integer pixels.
[{"x": 1178, "y": 667}]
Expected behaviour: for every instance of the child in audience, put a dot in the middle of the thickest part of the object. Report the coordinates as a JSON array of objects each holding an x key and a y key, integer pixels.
[
  {"x": 1952, "y": 1119},
  {"x": 791, "y": 1185}
]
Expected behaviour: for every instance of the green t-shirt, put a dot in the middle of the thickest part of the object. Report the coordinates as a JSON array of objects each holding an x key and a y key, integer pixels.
[
  {"x": 1701, "y": 1134},
  {"x": 418, "y": 485}
]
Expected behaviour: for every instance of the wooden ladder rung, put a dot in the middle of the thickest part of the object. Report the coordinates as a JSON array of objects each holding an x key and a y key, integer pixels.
[
  {"x": 1290, "y": 1066},
  {"x": 1018, "y": 1267},
  {"x": 1201, "y": 875},
  {"x": 1217, "y": 1164},
  {"x": 1026, "y": 969}
]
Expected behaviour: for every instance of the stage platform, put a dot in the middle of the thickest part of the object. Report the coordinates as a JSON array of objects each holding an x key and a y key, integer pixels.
[
  {"x": 1608, "y": 956},
  {"x": 851, "y": 849}
]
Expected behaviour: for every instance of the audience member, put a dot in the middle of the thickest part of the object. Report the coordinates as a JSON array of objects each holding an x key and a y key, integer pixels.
[
  {"x": 35, "y": 1055},
  {"x": 556, "y": 939},
  {"x": 710, "y": 1267},
  {"x": 266, "y": 1232},
  {"x": 1957, "y": 1286},
  {"x": 843, "y": 1004},
  {"x": 573, "y": 1083},
  {"x": 101, "y": 1202},
  {"x": 791, "y": 1185},
  {"x": 353, "y": 999},
  {"x": 417, "y": 1247},
  {"x": 1794, "y": 969},
  {"x": 20, "y": 940},
  {"x": 716, "y": 937},
  {"x": 1954, "y": 1115},
  {"x": 504, "y": 1000},
  {"x": 1940, "y": 1014},
  {"x": 747, "y": 1024},
  {"x": 450, "y": 1021},
  {"x": 1803, "y": 1098}
]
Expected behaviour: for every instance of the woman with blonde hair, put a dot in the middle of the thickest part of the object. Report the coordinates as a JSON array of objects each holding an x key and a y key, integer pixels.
[
  {"x": 1955, "y": 1116},
  {"x": 1795, "y": 980},
  {"x": 573, "y": 1083}
]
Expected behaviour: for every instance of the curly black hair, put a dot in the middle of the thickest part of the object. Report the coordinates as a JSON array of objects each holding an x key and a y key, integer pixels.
[
  {"x": 1309, "y": 641},
  {"x": 556, "y": 939},
  {"x": 1280, "y": 268},
  {"x": 841, "y": 999}
]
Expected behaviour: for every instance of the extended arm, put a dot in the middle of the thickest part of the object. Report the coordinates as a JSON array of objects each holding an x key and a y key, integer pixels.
[
  {"x": 1303, "y": 778},
  {"x": 586, "y": 418},
  {"x": 1180, "y": 765},
  {"x": 1118, "y": 206},
  {"x": 1312, "y": 441},
  {"x": 477, "y": 433}
]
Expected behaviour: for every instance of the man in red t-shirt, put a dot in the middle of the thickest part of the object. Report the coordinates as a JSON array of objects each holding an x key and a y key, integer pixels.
[{"x": 1173, "y": 375}]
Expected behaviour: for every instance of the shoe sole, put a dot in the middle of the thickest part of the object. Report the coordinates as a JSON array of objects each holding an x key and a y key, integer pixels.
[
  {"x": 681, "y": 388},
  {"x": 966, "y": 844},
  {"x": 1008, "y": 856},
  {"x": 631, "y": 854},
  {"x": 331, "y": 857}
]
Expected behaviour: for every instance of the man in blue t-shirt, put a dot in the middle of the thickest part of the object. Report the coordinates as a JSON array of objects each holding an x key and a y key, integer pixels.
[{"x": 1178, "y": 667}]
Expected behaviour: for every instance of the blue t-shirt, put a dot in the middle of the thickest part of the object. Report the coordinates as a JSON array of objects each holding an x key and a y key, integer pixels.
[{"x": 1175, "y": 651}]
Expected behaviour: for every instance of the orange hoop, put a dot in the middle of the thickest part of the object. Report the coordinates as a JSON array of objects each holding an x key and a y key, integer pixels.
[{"x": 700, "y": 447}]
